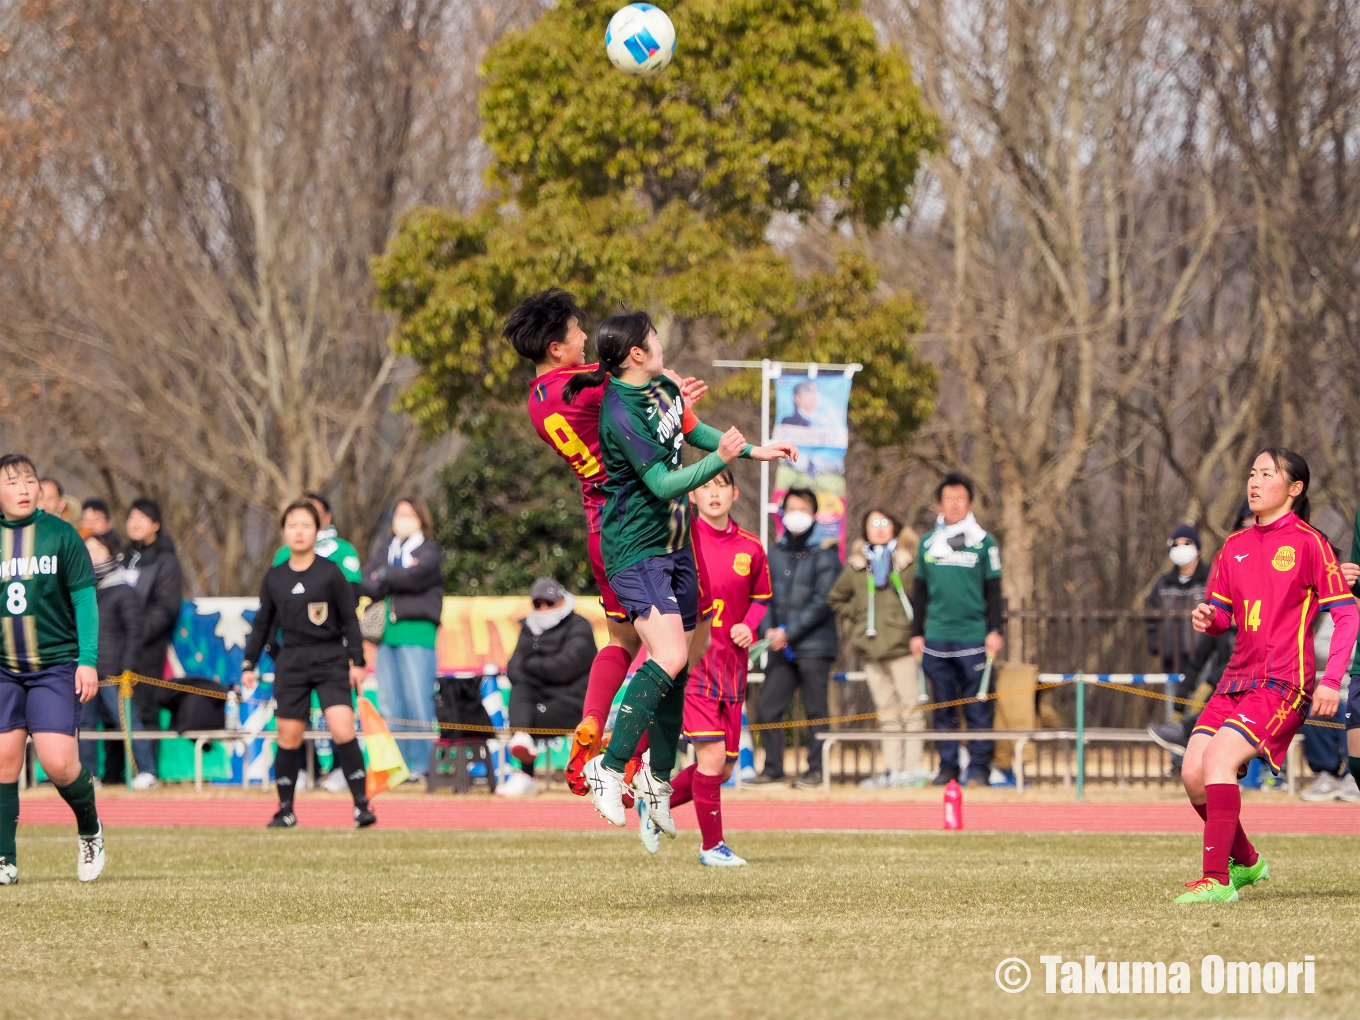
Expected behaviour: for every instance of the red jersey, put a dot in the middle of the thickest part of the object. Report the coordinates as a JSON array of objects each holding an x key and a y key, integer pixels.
[
  {"x": 740, "y": 580},
  {"x": 573, "y": 430},
  {"x": 1272, "y": 580}
]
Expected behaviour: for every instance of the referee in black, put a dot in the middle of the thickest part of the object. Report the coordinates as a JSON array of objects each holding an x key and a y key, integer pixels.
[{"x": 309, "y": 614}]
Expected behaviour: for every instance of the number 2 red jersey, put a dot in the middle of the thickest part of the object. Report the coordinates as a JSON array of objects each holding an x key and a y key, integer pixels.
[
  {"x": 1272, "y": 581},
  {"x": 573, "y": 430},
  {"x": 740, "y": 582}
]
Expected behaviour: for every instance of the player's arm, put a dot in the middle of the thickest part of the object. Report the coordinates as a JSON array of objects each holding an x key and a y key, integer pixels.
[
  {"x": 1334, "y": 596},
  {"x": 1214, "y": 616},
  {"x": 78, "y": 575},
  {"x": 743, "y": 634},
  {"x": 342, "y": 598},
  {"x": 667, "y": 484},
  {"x": 706, "y": 437}
]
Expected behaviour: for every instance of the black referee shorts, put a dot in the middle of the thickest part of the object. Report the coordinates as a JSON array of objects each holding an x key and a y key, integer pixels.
[{"x": 299, "y": 671}]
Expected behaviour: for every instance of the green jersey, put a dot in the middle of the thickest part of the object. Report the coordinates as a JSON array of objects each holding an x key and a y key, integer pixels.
[
  {"x": 42, "y": 563},
  {"x": 956, "y": 606},
  {"x": 640, "y": 427},
  {"x": 331, "y": 547}
]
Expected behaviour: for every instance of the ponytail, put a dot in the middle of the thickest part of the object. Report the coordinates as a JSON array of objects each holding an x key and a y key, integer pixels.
[
  {"x": 614, "y": 338},
  {"x": 1295, "y": 469}
]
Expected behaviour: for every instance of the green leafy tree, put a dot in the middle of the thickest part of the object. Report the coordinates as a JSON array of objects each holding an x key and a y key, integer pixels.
[
  {"x": 658, "y": 192},
  {"x": 507, "y": 513}
]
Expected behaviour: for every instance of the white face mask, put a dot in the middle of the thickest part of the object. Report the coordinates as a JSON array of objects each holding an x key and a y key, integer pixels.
[
  {"x": 1184, "y": 555},
  {"x": 797, "y": 521},
  {"x": 404, "y": 526}
]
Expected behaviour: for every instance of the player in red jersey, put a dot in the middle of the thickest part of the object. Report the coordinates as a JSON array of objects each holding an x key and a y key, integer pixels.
[
  {"x": 717, "y": 684},
  {"x": 546, "y": 329},
  {"x": 1271, "y": 579}
]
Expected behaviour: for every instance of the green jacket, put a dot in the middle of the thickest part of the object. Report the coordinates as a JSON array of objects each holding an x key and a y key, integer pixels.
[{"x": 849, "y": 600}]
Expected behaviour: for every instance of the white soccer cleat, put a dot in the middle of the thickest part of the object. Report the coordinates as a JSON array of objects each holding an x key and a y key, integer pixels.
[
  {"x": 606, "y": 786},
  {"x": 9, "y": 874},
  {"x": 647, "y": 830},
  {"x": 721, "y": 856},
  {"x": 657, "y": 793},
  {"x": 90, "y": 861}
]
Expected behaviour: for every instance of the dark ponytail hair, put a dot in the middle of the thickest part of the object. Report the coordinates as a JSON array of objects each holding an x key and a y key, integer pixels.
[
  {"x": 614, "y": 338},
  {"x": 1295, "y": 469}
]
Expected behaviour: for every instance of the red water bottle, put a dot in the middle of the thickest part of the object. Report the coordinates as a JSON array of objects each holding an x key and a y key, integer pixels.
[{"x": 953, "y": 805}]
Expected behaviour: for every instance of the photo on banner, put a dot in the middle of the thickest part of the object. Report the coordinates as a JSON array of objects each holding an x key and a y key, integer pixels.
[{"x": 813, "y": 413}]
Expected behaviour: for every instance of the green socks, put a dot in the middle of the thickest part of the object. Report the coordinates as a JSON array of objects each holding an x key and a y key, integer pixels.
[
  {"x": 9, "y": 819},
  {"x": 645, "y": 691},
  {"x": 663, "y": 735},
  {"x": 80, "y": 795}
]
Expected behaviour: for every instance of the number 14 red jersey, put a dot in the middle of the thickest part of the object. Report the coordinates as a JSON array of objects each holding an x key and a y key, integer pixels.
[
  {"x": 1272, "y": 581},
  {"x": 573, "y": 430}
]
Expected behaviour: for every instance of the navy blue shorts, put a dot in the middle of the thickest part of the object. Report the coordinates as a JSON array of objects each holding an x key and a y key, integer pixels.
[
  {"x": 41, "y": 702},
  {"x": 669, "y": 582},
  {"x": 1353, "y": 703}
]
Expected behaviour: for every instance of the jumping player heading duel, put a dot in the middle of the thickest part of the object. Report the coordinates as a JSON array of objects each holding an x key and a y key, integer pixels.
[{"x": 1270, "y": 579}]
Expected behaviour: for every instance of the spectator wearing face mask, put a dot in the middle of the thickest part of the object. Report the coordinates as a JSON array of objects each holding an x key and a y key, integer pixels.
[
  {"x": 802, "y": 634},
  {"x": 548, "y": 673},
  {"x": 1179, "y": 591},
  {"x": 406, "y": 575}
]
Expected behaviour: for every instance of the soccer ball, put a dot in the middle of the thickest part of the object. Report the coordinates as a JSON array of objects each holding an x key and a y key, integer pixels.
[{"x": 640, "y": 39}]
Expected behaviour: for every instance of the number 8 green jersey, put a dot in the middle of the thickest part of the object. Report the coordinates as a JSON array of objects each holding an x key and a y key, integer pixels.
[{"x": 42, "y": 561}]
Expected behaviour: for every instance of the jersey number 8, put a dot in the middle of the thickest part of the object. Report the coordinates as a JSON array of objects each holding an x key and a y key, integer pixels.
[{"x": 16, "y": 599}]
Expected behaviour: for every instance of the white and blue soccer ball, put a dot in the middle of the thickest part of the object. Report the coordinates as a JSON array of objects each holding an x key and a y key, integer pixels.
[{"x": 640, "y": 39}]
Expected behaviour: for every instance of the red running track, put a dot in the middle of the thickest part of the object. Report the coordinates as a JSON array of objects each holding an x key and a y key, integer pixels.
[{"x": 480, "y": 812}]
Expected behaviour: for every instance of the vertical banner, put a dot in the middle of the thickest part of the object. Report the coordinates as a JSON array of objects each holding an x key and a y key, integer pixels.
[{"x": 812, "y": 411}]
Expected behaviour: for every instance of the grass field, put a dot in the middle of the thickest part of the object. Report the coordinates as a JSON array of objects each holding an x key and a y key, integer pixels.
[{"x": 226, "y": 922}]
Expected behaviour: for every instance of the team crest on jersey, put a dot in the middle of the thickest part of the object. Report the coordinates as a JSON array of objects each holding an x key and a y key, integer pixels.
[
  {"x": 317, "y": 611},
  {"x": 1284, "y": 558},
  {"x": 741, "y": 563}
]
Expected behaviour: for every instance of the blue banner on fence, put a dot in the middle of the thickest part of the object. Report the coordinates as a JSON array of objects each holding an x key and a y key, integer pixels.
[{"x": 813, "y": 413}]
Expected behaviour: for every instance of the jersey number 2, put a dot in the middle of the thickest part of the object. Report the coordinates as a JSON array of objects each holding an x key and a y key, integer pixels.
[
  {"x": 1254, "y": 614},
  {"x": 569, "y": 445},
  {"x": 717, "y": 613},
  {"x": 16, "y": 599}
]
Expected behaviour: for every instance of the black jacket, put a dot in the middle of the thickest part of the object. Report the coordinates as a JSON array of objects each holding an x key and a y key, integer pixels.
[
  {"x": 417, "y": 591},
  {"x": 120, "y": 625},
  {"x": 160, "y": 586},
  {"x": 559, "y": 657},
  {"x": 802, "y": 576},
  {"x": 1174, "y": 641}
]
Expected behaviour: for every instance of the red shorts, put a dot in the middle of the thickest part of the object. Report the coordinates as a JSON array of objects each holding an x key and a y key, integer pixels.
[
  {"x": 613, "y": 608},
  {"x": 1263, "y": 718},
  {"x": 711, "y": 719},
  {"x": 706, "y": 605}
]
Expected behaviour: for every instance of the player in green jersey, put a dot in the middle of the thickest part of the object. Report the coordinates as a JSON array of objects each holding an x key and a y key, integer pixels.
[
  {"x": 329, "y": 544},
  {"x": 645, "y": 540},
  {"x": 49, "y": 645}
]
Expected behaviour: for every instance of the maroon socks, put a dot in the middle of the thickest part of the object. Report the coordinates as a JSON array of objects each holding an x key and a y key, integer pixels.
[
  {"x": 606, "y": 677},
  {"x": 1241, "y": 851},
  {"x": 1223, "y": 807},
  {"x": 708, "y": 808},
  {"x": 682, "y": 787}
]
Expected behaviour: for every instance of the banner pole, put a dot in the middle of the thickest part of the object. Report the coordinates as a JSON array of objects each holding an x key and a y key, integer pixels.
[
  {"x": 1081, "y": 735},
  {"x": 765, "y": 380}
]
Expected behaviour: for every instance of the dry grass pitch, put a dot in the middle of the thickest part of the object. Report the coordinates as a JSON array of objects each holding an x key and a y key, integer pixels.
[{"x": 200, "y": 922}]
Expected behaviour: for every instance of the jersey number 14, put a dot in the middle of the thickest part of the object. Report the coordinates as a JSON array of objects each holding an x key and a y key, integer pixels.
[{"x": 1254, "y": 614}]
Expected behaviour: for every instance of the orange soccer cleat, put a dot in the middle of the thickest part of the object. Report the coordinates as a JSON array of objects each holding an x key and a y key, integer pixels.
[{"x": 585, "y": 744}]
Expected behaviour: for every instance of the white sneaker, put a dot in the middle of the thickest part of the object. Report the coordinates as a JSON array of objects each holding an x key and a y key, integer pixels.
[
  {"x": 877, "y": 782},
  {"x": 304, "y": 782},
  {"x": 335, "y": 782},
  {"x": 721, "y": 856},
  {"x": 647, "y": 830},
  {"x": 658, "y": 795},
  {"x": 9, "y": 874},
  {"x": 606, "y": 787},
  {"x": 1324, "y": 788},
  {"x": 1347, "y": 791},
  {"x": 517, "y": 784},
  {"x": 145, "y": 781},
  {"x": 90, "y": 860}
]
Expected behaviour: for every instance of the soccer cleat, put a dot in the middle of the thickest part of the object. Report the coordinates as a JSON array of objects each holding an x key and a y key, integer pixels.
[
  {"x": 606, "y": 786},
  {"x": 283, "y": 819},
  {"x": 629, "y": 771},
  {"x": 1240, "y": 876},
  {"x": 1208, "y": 890},
  {"x": 721, "y": 856},
  {"x": 657, "y": 793},
  {"x": 647, "y": 830},
  {"x": 585, "y": 744},
  {"x": 9, "y": 874},
  {"x": 363, "y": 817},
  {"x": 90, "y": 859}
]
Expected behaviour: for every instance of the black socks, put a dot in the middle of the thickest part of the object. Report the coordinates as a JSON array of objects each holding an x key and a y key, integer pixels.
[
  {"x": 351, "y": 762},
  {"x": 287, "y": 762}
]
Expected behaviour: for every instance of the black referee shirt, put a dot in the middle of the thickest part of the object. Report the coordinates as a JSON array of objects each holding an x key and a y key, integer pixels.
[{"x": 308, "y": 608}]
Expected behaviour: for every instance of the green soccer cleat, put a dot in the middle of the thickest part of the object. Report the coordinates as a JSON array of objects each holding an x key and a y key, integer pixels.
[
  {"x": 1242, "y": 876},
  {"x": 1208, "y": 890}
]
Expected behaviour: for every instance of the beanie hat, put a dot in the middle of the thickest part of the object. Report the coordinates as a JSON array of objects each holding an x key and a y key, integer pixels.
[{"x": 1186, "y": 531}]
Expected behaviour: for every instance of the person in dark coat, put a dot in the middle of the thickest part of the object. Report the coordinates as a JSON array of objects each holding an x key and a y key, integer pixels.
[
  {"x": 802, "y": 633},
  {"x": 407, "y": 576},
  {"x": 153, "y": 569},
  {"x": 1179, "y": 590},
  {"x": 548, "y": 672},
  {"x": 120, "y": 631}
]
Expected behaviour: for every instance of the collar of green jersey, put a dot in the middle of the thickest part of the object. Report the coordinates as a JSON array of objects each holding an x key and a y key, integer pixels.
[{"x": 22, "y": 522}]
